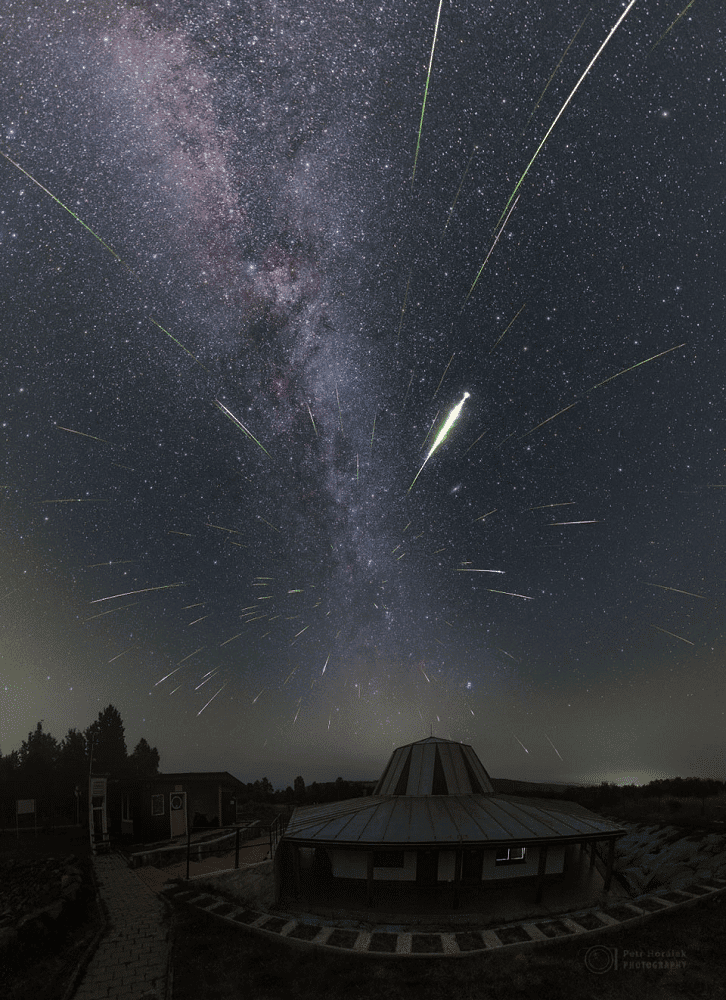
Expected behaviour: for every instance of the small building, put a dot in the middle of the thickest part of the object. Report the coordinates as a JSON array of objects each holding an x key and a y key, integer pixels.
[
  {"x": 161, "y": 807},
  {"x": 434, "y": 820}
]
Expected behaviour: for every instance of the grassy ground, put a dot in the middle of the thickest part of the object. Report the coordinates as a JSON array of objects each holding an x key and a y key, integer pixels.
[{"x": 212, "y": 960}]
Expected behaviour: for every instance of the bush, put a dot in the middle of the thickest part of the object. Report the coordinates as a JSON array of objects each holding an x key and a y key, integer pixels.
[{"x": 674, "y": 805}]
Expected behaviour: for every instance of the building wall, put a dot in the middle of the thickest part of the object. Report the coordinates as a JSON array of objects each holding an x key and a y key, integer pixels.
[
  {"x": 354, "y": 864},
  {"x": 530, "y": 866}
]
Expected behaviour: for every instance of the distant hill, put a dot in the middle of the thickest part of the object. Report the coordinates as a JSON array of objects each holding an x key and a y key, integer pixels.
[{"x": 508, "y": 786}]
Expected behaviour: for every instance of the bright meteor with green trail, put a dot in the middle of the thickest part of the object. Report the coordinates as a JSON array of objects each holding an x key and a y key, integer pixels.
[{"x": 441, "y": 436}]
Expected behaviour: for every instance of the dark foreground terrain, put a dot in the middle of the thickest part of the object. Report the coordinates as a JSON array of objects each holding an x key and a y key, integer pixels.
[{"x": 216, "y": 962}]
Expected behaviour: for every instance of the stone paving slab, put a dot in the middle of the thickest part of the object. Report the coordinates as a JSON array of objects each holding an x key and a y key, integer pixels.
[
  {"x": 306, "y": 930},
  {"x": 132, "y": 959}
]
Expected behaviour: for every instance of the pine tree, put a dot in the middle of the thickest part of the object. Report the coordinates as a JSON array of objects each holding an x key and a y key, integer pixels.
[{"x": 107, "y": 744}]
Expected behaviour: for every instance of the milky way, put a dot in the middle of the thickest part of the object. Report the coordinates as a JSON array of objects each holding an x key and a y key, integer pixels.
[{"x": 251, "y": 163}]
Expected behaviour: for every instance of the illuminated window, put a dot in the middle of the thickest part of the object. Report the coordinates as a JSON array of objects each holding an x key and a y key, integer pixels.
[{"x": 511, "y": 855}]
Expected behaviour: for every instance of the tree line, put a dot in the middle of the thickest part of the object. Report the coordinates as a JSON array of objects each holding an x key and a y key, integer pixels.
[{"x": 44, "y": 765}]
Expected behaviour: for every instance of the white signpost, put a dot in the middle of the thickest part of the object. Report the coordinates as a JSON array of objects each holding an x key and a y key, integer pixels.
[
  {"x": 23, "y": 808},
  {"x": 97, "y": 814}
]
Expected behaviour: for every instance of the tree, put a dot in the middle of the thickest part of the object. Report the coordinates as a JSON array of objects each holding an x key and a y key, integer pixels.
[
  {"x": 10, "y": 766},
  {"x": 108, "y": 746},
  {"x": 299, "y": 789},
  {"x": 38, "y": 756},
  {"x": 72, "y": 764},
  {"x": 144, "y": 761}
]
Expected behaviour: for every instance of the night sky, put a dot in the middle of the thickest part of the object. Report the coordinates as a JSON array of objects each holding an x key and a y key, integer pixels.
[{"x": 276, "y": 601}]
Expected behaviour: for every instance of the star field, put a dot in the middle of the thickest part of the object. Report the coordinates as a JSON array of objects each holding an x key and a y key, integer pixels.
[{"x": 226, "y": 360}]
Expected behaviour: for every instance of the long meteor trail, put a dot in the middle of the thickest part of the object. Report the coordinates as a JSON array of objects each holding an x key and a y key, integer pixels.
[
  {"x": 238, "y": 423},
  {"x": 426, "y": 91},
  {"x": 70, "y": 212},
  {"x": 564, "y": 106},
  {"x": 440, "y": 437}
]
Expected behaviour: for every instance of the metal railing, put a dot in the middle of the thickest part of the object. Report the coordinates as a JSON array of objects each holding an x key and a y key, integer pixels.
[
  {"x": 236, "y": 834},
  {"x": 277, "y": 829}
]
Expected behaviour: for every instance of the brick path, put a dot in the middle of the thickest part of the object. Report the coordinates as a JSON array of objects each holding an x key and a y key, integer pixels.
[{"x": 131, "y": 961}]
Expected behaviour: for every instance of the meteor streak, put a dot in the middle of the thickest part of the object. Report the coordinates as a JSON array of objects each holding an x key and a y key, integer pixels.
[
  {"x": 340, "y": 415},
  {"x": 521, "y": 744},
  {"x": 485, "y": 515},
  {"x": 190, "y": 655},
  {"x": 673, "y": 634},
  {"x": 562, "y": 109},
  {"x": 238, "y": 423},
  {"x": 177, "y": 342},
  {"x": 443, "y": 376},
  {"x": 509, "y": 594},
  {"x": 548, "y": 420},
  {"x": 556, "y": 523},
  {"x": 212, "y": 699},
  {"x": 428, "y": 77},
  {"x": 550, "y": 741},
  {"x": 634, "y": 366},
  {"x": 121, "y": 654},
  {"x": 568, "y": 503},
  {"x": 459, "y": 191},
  {"x": 167, "y": 676},
  {"x": 112, "y": 611},
  {"x": 491, "y": 251},
  {"x": 128, "y": 593},
  {"x": 491, "y": 349},
  {"x": 311, "y": 418},
  {"x": 672, "y": 26},
  {"x": 440, "y": 437},
  {"x": 675, "y": 590},
  {"x": 556, "y": 68},
  {"x": 475, "y": 442},
  {"x": 459, "y": 570},
  {"x": 403, "y": 310},
  {"x": 70, "y": 212},
  {"x": 81, "y": 434}
]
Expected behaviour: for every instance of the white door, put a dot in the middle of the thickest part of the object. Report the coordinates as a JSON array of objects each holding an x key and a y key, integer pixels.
[{"x": 178, "y": 813}]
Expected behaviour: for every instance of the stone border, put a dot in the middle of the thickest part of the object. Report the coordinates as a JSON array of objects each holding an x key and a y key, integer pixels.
[
  {"x": 90, "y": 951},
  {"x": 379, "y": 942}
]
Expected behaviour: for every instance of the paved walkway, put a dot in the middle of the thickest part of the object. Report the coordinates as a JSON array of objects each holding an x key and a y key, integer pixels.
[{"x": 132, "y": 959}]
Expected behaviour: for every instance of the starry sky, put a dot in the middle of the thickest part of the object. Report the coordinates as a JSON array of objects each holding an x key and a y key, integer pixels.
[{"x": 222, "y": 372}]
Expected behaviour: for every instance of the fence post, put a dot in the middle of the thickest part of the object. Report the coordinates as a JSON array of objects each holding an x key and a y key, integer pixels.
[
  {"x": 189, "y": 847},
  {"x": 236, "y": 850}
]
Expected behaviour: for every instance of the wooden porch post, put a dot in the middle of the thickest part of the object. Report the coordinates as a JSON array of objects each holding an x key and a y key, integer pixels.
[
  {"x": 369, "y": 881},
  {"x": 609, "y": 869},
  {"x": 276, "y": 868},
  {"x": 296, "y": 866},
  {"x": 541, "y": 871},
  {"x": 457, "y": 877},
  {"x": 593, "y": 845}
]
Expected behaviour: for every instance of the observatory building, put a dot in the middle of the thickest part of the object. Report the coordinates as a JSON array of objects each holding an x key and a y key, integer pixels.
[{"x": 434, "y": 821}]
